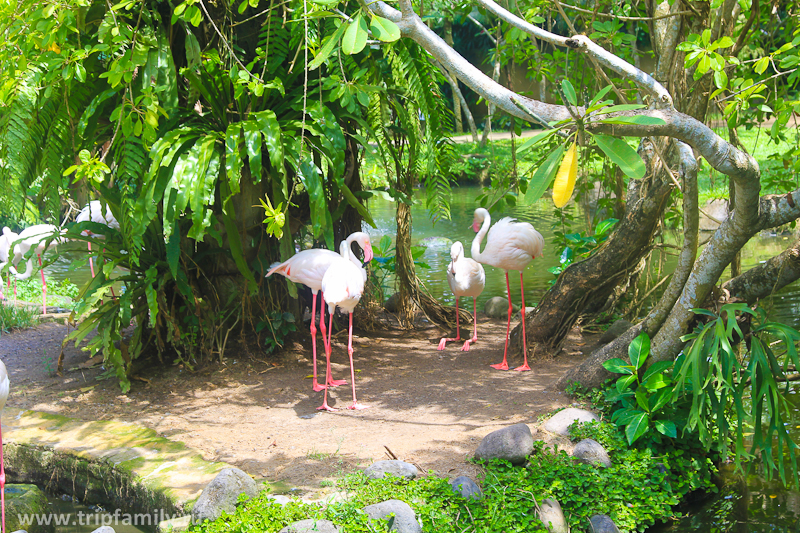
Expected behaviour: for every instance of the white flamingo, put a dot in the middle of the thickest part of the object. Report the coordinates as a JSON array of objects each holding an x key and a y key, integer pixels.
[
  {"x": 308, "y": 267},
  {"x": 511, "y": 245},
  {"x": 93, "y": 212},
  {"x": 466, "y": 278},
  {"x": 3, "y": 398},
  {"x": 6, "y": 240},
  {"x": 342, "y": 285},
  {"x": 35, "y": 237}
]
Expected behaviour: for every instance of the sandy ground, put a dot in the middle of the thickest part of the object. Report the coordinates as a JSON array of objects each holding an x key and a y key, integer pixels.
[{"x": 427, "y": 407}]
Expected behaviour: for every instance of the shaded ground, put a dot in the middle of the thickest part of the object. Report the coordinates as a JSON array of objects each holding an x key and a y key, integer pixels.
[{"x": 428, "y": 407}]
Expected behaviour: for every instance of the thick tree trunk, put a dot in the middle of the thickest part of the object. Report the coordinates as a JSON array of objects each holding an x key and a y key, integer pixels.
[{"x": 404, "y": 262}]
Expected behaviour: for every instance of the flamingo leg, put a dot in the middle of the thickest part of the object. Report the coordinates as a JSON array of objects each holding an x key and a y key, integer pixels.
[
  {"x": 355, "y": 405},
  {"x": 2, "y": 484},
  {"x": 524, "y": 365},
  {"x": 474, "y": 338},
  {"x": 91, "y": 261},
  {"x": 444, "y": 341},
  {"x": 315, "y": 385},
  {"x": 44, "y": 286},
  {"x": 504, "y": 364},
  {"x": 329, "y": 381},
  {"x": 113, "y": 296},
  {"x": 325, "y": 406}
]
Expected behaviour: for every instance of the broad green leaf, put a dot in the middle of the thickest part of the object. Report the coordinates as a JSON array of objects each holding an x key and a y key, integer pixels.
[
  {"x": 252, "y": 143},
  {"x": 174, "y": 251},
  {"x": 539, "y": 137},
  {"x": 203, "y": 197},
  {"x": 604, "y": 226},
  {"x": 625, "y": 382},
  {"x": 761, "y": 65},
  {"x": 666, "y": 428},
  {"x": 600, "y": 94},
  {"x": 623, "y": 417},
  {"x": 543, "y": 177},
  {"x": 569, "y": 91},
  {"x": 327, "y": 48},
  {"x": 618, "y": 366},
  {"x": 623, "y": 155},
  {"x": 639, "y": 349},
  {"x": 660, "y": 399},
  {"x": 312, "y": 181},
  {"x": 620, "y": 108},
  {"x": 656, "y": 368},
  {"x": 637, "y": 427},
  {"x": 233, "y": 157},
  {"x": 355, "y": 37},
  {"x": 384, "y": 29},
  {"x": 271, "y": 129}
]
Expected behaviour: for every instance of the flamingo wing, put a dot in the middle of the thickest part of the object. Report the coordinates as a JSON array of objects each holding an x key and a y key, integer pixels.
[{"x": 306, "y": 267}]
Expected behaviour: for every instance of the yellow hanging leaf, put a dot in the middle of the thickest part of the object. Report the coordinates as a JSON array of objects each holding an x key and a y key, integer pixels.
[{"x": 565, "y": 178}]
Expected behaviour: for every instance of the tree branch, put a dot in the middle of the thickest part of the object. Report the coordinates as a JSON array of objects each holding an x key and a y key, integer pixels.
[{"x": 768, "y": 277}]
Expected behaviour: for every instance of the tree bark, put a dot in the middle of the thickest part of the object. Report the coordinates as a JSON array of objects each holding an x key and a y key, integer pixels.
[{"x": 404, "y": 262}]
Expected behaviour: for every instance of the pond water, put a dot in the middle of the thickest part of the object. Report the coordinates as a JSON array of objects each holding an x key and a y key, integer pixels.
[{"x": 76, "y": 517}]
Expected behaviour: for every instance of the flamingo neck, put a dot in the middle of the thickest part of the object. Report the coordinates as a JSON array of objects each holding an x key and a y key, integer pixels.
[
  {"x": 28, "y": 271},
  {"x": 476, "y": 242}
]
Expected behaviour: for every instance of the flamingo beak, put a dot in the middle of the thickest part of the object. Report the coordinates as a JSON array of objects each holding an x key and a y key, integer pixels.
[
  {"x": 368, "y": 253},
  {"x": 476, "y": 226}
]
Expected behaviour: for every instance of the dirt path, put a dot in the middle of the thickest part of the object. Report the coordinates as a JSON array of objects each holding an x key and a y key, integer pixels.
[{"x": 428, "y": 407}]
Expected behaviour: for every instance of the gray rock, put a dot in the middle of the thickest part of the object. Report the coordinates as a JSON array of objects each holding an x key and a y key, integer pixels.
[
  {"x": 311, "y": 525},
  {"x": 559, "y": 423},
  {"x": 391, "y": 303},
  {"x": 280, "y": 499},
  {"x": 528, "y": 309},
  {"x": 602, "y": 524},
  {"x": 465, "y": 486},
  {"x": 404, "y": 520},
  {"x": 552, "y": 516},
  {"x": 590, "y": 451},
  {"x": 175, "y": 525},
  {"x": 497, "y": 307},
  {"x": 513, "y": 444},
  {"x": 26, "y": 499},
  {"x": 615, "y": 330},
  {"x": 104, "y": 529},
  {"x": 222, "y": 494},
  {"x": 712, "y": 213},
  {"x": 379, "y": 469}
]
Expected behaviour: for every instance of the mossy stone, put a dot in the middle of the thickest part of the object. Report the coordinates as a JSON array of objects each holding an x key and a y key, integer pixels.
[{"x": 22, "y": 500}]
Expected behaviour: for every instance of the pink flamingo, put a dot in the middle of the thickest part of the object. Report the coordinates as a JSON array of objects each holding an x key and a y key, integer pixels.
[
  {"x": 3, "y": 398},
  {"x": 308, "y": 267},
  {"x": 466, "y": 278},
  {"x": 6, "y": 240},
  {"x": 93, "y": 212},
  {"x": 511, "y": 245},
  {"x": 342, "y": 286},
  {"x": 38, "y": 237}
]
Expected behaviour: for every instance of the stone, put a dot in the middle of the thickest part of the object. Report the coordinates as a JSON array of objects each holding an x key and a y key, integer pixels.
[
  {"x": 513, "y": 444},
  {"x": 311, "y": 525},
  {"x": 394, "y": 467},
  {"x": 24, "y": 499},
  {"x": 465, "y": 486},
  {"x": 279, "y": 499},
  {"x": 175, "y": 525},
  {"x": 104, "y": 529},
  {"x": 404, "y": 520},
  {"x": 222, "y": 494},
  {"x": 590, "y": 451},
  {"x": 528, "y": 309},
  {"x": 602, "y": 524},
  {"x": 615, "y": 330},
  {"x": 497, "y": 307},
  {"x": 552, "y": 516},
  {"x": 391, "y": 303},
  {"x": 559, "y": 423},
  {"x": 712, "y": 214}
]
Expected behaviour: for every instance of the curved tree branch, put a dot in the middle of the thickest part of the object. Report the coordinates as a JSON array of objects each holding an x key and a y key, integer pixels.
[{"x": 768, "y": 277}]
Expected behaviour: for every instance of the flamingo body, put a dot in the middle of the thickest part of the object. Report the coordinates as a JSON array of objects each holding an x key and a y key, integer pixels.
[
  {"x": 466, "y": 278},
  {"x": 93, "y": 212},
  {"x": 309, "y": 267},
  {"x": 38, "y": 237},
  {"x": 510, "y": 245}
]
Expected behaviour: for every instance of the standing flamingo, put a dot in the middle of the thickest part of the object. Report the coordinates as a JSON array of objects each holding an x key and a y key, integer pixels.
[
  {"x": 6, "y": 240},
  {"x": 3, "y": 398},
  {"x": 511, "y": 245},
  {"x": 35, "y": 236},
  {"x": 466, "y": 278},
  {"x": 308, "y": 267},
  {"x": 93, "y": 212},
  {"x": 342, "y": 285}
]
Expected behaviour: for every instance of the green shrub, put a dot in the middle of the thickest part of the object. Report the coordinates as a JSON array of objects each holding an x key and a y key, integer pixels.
[{"x": 13, "y": 317}]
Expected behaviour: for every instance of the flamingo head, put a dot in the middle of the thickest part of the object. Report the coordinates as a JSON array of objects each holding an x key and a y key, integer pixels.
[
  {"x": 456, "y": 252},
  {"x": 363, "y": 241},
  {"x": 477, "y": 220}
]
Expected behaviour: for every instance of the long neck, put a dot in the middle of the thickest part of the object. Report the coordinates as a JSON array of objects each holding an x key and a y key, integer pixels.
[
  {"x": 28, "y": 271},
  {"x": 349, "y": 255},
  {"x": 476, "y": 242}
]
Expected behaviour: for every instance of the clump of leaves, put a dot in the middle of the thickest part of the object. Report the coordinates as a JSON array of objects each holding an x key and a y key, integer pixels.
[
  {"x": 278, "y": 325},
  {"x": 13, "y": 317}
]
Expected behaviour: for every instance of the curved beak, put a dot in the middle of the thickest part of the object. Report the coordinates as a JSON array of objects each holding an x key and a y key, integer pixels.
[{"x": 368, "y": 253}]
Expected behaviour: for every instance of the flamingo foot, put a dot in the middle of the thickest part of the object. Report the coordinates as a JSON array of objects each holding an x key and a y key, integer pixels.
[
  {"x": 357, "y": 406},
  {"x": 443, "y": 342},
  {"x": 325, "y": 407},
  {"x": 465, "y": 348},
  {"x": 500, "y": 366},
  {"x": 317, "y": 387},
  {"x": 336, "y": 382},
  {"x": 523, "y": 368}
]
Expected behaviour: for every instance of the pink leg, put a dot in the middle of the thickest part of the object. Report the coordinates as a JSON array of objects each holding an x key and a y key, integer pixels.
[
  {"x": 330, "y": 382},
  {"x": 474, "y": 338},
  {"x": 2, "y": 483},
  {"x": 355, "y": 405},
  {"x": 504, "y": 364},
  {"x": 524, "y": 339},
  {"x": 443, "y": 342},
  {"x": 325, "y": 406},
  {"x": 44, "y": 287},
  {"x": 91, "y": 262},
  {"x": 315, "y": 385}
]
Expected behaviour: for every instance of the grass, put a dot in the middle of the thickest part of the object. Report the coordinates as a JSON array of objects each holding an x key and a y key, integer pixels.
[
  {"x": 30, "y": 290},
  {"x": 13, "y": 317}
]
